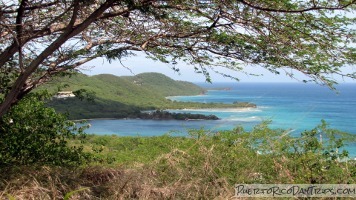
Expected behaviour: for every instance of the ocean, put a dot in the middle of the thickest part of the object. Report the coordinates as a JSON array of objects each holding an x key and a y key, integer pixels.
[{"x": 291, "y": 106}]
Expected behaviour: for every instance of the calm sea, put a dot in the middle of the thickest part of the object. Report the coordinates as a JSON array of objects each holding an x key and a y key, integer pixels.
[{"x": 293, "y": 106}]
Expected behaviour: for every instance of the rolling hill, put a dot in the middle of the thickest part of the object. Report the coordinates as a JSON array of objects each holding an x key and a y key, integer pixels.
[
  {"x": 118, "y": 97},
  {"x": 123, "y": 97}
]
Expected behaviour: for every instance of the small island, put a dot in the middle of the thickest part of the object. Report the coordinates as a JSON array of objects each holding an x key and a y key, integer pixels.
[{"x": 161, "y": 114}]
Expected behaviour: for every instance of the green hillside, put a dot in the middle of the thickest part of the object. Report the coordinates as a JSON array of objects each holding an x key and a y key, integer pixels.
[
  {"x": 121, "y": 97},
  {"x": 118, "y": 96},
  {"x": 164, "y": 85},
  {"x": 144, "y": 88}
]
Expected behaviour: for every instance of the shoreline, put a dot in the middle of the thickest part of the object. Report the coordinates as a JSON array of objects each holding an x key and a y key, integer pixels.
[
  {"x": 98, "y": 118},
  {"x": 177, "y": 111},
  {"x": 169, "y": 97},
  {"x": 232, "y": 109},
  {"x": 152, "y": 115}
]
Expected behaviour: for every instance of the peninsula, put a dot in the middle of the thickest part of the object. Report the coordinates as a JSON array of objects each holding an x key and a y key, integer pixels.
[{"x": 109, "y": 96}]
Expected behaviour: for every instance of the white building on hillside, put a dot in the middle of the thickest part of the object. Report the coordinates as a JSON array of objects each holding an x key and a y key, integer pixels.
[{"x": 64, "y": 94}]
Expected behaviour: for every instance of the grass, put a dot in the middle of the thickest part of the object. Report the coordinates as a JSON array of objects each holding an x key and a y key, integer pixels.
[{"x": 204, "y": 165}]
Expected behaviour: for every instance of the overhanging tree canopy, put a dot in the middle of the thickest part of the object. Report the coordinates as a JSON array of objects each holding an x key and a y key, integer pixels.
[{"x": 43, "y": 38}]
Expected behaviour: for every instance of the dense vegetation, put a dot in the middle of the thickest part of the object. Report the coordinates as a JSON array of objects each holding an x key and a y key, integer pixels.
[
  {"x": 32, "y": 133},
  {"x": 109, "y": 96},
  {"x": 161, "y": 114},
  {"x": 204, "y": 165}
]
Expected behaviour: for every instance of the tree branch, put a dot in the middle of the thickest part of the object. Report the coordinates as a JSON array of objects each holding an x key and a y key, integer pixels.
[
  {"x": 34, "y": 7},
  {"x": 16, "y": 90},
  {"x": 313, "y": 8}
]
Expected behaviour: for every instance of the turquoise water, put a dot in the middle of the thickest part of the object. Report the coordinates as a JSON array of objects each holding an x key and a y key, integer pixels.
[
  {"x": 294, "y": 106},
  {"x": 288, "y": 105}
]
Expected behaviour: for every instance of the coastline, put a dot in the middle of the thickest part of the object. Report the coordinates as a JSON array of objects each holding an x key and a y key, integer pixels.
[
  {"x": 232, "y": 109},
  {"x": 99, "y": 118},
  {"x": 284, "y": 111},
  {"x": 160, "y": 115},
  {"x": 170, "y": 97}
]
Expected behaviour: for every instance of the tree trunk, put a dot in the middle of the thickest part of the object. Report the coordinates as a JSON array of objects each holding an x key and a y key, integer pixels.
[{"x": 17, "y": 89}]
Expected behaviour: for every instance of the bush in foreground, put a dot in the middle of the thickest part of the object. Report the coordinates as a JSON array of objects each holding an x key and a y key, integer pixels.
[
  {"x": 32, "y": 133},
  {"x": 204, "y": 165}
]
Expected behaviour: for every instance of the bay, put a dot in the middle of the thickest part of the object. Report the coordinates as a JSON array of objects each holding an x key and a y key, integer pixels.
[{"x": 292, "y": 106}]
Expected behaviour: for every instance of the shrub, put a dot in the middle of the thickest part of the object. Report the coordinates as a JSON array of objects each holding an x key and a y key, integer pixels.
[{"x": 32, "y": 133}]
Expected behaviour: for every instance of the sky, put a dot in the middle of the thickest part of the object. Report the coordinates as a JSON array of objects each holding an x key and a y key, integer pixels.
[{"x": 139, "y": 64}]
